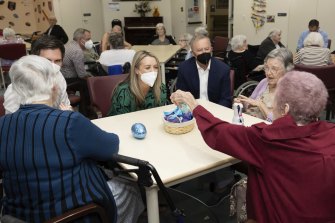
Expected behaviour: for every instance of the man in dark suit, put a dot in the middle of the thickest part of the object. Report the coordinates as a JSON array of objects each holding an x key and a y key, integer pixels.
[
  {"x": 56, "y": 30},
  {"x": 203, "y": 75}
]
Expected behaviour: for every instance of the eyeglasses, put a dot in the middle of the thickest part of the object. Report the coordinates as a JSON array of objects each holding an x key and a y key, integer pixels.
[
  {"x": 268, "y": 69},
  {"x": 182, "y": 40}
]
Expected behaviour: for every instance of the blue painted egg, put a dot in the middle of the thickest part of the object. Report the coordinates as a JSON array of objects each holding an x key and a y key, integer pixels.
[{"x": 138, "y": 130}]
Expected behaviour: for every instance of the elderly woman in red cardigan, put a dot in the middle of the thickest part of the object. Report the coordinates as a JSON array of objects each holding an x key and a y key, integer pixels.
[{"x": 291, "y": 174}]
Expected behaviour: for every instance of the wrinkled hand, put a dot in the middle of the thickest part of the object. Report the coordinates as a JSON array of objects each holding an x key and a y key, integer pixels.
[
  {"x": 250, "y": 101},
  {"x": 65, "y": 107},
  {"x": 179, "y": 97}
]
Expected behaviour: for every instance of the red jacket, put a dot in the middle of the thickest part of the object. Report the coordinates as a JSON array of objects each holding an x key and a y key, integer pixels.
[{"x": 291, "y": 168}]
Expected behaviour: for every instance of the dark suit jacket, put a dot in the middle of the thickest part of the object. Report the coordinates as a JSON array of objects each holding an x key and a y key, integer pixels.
[
  {"x": 266, "y": 47},
  {"x": 218, "y": 81},
  {"x": 58, "y": 32}
]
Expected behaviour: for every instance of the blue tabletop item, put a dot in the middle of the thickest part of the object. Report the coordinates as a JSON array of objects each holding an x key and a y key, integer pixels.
[
  {"x": 138, "y": 130},
  {"x": 179, "y": 114}
]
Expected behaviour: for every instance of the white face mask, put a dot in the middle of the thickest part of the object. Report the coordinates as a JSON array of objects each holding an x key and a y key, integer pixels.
[
  {"x": 89, "y": 44},
  {"x": 149, "y": 78}
]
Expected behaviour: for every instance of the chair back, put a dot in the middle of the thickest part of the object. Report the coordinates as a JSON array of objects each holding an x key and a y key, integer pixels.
[
  {"x": 324, "y": 73},
  {"x": 327, "y": 75},
  {"x": 220, "y": 45},
  {"x": 2, "y": 108},
  {"x": 101, "y": 89},
  {"x": 115, "y": 69},
  {"x": 12, "y": 51},
  {"x": 329, "y": 43},
  {"x": 232, "y": 81}
]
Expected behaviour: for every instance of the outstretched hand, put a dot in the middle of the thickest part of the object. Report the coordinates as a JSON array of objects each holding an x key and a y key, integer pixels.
[
  {"x": 180, "y": 97},
  {"x": 250, "y": 101}
]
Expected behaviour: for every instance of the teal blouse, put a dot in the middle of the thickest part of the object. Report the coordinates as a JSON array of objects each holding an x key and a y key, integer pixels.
[{"x": 123, "y": 101}]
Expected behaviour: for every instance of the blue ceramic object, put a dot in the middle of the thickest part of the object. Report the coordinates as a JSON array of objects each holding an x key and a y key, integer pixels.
[{"x": 138, "y": 130}]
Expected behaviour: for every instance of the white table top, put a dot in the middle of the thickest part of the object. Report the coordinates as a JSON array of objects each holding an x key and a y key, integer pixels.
[
  {"x": 175, "y": 157},
  {"x": 162, "y": 52}
]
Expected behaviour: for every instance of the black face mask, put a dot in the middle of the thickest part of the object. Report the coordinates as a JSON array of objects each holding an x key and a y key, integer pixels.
[{"x": 204, "y": 58}]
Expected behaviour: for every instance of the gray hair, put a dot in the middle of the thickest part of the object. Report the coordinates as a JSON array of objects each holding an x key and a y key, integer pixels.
[
  {"x": 237, "y": 42},
  {"x": 187, "y": 37},
  {"x": 274, "y": 32},
  {"x": 116, "y": 40},
  {"x": 79, "y": 33},
  {"x": 201, "y": 31},
  {"x": 197, "y": 38},
  {"x": 8, "y": 32},
  {"x": 161, "y": 25},
  {"x": 284, "y": 55},
  {"x": 313, "y": 39},
  {"x": 33, "y": 78}
]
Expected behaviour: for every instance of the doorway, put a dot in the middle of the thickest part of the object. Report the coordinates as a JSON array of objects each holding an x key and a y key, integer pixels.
[{"x": 85, "y": 14}]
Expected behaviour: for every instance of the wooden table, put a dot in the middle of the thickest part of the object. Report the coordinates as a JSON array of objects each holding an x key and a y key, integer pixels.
[
  {"x": 177, "y": 158},
  {"x": 163, "y": 52}
]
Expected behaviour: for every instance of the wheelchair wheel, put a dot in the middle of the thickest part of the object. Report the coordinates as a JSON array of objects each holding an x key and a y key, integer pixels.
[{"x": 246, "y": 88}]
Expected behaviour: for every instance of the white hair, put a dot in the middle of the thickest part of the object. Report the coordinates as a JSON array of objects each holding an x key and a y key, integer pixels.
[
  {"x": 201, "y": 31},
  {"x": 313, "y": 39},
  {"x": 274, "y": 32},
  {"x": 237, "y": 42},
  {"x": 33, "y": 78},
  {"x": 8, "y": 32}
]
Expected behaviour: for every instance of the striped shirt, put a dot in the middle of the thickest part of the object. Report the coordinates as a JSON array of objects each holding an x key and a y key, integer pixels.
[
  {"x": 48, "y": 159},
  {"x": 313, "y": 55}
]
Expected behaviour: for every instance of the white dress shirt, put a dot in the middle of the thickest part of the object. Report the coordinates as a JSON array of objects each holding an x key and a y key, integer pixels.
[{"x": 203, "y": 81}]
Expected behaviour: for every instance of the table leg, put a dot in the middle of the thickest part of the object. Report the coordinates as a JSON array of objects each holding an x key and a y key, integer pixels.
[
  {"x": 163, "y": 72},
  {"x": 152, "y": 204}
]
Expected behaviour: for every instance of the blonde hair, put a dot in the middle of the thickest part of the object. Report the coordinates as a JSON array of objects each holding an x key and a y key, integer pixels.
[
  {"x": 160, "y": 25},
  {"x": 134, "y": 79}
]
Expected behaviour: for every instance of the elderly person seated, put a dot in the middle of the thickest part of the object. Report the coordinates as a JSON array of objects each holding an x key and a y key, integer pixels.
[
  {"x": 270, "y": 43},
  {"x": 9, "y": 36},
  {"x": 291, "y": 174},
  {"x": 117, "y": 55},
  {"x": 161, "y": 38},
  {"x": 260, "y": 103},
  {"x": 242, "y": 60},
  {"x": 142, "y": 89},
  {"x": 116, "y": 28},
  {"x": 51, "y": 158},
  {"x": 313, "y": 53}
]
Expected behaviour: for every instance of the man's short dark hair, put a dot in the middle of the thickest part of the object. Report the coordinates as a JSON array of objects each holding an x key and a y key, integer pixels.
[
  {"x": 116, "y": 40},
  {"x": 313, "y": 23},
  {"x": 116, "y": 22},
  {"x": 47, "y": 42}
]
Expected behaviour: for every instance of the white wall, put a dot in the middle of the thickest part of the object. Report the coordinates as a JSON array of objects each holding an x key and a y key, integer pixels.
[
  {"x": 299, "y": 12},
  {"x": 127, "y": 10}
]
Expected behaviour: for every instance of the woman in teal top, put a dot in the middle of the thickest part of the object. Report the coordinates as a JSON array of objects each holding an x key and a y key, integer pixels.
[{"x": 142, "y": 89}]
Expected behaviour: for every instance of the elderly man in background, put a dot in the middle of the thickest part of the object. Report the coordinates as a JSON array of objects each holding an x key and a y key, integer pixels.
[
  {"x": 56, "y": 30},
  {"x": 269, "y": 43},
  {"x": 52, "y": 49},
  {"x": 203, "y": 75},
  {"x": 313, "y": 26},
  {"x": 291, "y": 175}
]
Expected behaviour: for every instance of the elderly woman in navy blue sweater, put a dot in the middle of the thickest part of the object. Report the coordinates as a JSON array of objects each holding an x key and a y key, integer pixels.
[{"x": 49, "y": 157}]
